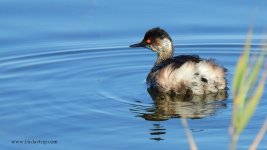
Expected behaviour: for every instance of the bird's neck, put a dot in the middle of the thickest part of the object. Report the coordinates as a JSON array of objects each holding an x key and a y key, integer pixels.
[
  {"x": 164, "y": 50},
  {"x": 163, "y": 56}
]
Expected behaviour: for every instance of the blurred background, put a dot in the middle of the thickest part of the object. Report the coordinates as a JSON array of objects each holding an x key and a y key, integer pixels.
[{"x": 67, "y": 74}]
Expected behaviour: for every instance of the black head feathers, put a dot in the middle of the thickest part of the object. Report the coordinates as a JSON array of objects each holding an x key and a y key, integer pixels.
[{"x": 156, "y": 33}]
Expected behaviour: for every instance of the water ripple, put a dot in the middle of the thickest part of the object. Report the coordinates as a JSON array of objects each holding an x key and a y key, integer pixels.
[{"x": 116, "y": 75}]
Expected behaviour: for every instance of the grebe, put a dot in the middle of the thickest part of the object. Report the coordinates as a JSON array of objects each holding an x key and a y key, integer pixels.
[{"x": 184, "y": 74}]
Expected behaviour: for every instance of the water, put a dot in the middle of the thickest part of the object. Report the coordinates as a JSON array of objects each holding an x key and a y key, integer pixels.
[{"x": 67, "y": 74}]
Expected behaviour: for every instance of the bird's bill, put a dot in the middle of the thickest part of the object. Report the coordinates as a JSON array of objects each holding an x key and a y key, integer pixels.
[{"x": 138, "y": 45}]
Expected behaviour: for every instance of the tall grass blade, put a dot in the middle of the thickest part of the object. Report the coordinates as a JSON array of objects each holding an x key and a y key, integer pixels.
[
  {"x": 190, "y": 138},
  {"x": 242, "y": 64},
  {"x": 251, "y": 106},
  {"x": 246, "y": 95},
  {"x": 259, "y": 137}
]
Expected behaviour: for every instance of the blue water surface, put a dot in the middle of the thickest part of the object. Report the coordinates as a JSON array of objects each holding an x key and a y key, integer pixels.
[{"x": 68, "y": 75}]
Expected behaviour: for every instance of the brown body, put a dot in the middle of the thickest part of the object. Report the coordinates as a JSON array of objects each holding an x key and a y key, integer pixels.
[{"x": 184, "y": 74}]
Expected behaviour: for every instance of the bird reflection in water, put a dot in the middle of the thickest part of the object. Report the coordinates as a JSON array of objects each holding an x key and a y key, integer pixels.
[
  {"x": 168, "y": 106},
  {"x": 157, "y": 131}
]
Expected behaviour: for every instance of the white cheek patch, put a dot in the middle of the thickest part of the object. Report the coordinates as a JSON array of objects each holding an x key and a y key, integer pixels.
[
  {"x": 153, "y": 48},
  {"x": 165, "y": 45}
]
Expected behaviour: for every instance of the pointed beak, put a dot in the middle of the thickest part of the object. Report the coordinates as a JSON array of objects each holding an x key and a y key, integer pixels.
[{"x": 141, "y": 44}]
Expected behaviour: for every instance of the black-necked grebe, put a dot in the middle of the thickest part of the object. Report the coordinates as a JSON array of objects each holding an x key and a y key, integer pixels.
[{"x": 184, "y": 74}]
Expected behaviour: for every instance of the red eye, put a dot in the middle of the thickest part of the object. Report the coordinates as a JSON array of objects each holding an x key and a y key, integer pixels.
[{"x": 148, "y": 41}]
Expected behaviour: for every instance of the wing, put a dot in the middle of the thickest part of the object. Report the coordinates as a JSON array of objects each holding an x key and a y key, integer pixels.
[{"x": 177, "y": 61}]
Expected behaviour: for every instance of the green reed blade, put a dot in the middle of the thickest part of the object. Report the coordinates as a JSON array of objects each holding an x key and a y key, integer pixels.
[
  {"x": 241, "y": 66},
  {"x": 251, "y": 106},
  {"x": 253, "y": 76}
]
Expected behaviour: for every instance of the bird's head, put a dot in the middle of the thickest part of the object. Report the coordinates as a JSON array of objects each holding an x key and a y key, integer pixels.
[{"x": 156, "y": 39}]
